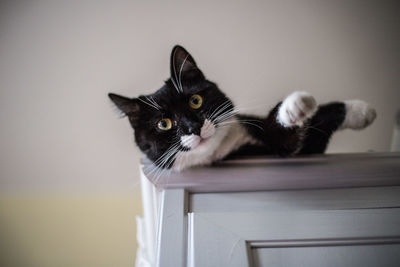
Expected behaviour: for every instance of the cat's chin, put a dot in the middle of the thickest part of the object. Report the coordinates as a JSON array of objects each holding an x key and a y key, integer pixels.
[
  {"x": 201, "y": 154},
  {"x": 199, "y": 143},
  {"x": 203, "y": 142}
]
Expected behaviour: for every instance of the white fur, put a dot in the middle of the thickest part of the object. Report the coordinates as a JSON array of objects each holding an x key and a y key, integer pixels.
[
  {"x": 207, "y": 130},
  {"x": 190, "y": 141},
  {"x": 296, "y": 109},
  {"x": 214, "y": 143},
  {"x": 359, "y": 115}
]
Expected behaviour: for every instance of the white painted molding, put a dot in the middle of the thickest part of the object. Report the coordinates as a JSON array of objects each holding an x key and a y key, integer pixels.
[{"x": 311, "y": 172}]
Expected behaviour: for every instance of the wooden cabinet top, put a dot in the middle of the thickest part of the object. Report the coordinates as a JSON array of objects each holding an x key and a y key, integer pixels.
[{"x": 263, "y": 173}]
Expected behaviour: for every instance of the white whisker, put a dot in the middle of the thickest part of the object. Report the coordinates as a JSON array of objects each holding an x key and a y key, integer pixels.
[
  {"x": 151, "y": 100},
  {"x": 180, "y": 72},
  {"x": 149, "y": 104},
  {"x": 218, "y": 108},
  {"x": 241, "y": 121},
  {"x": 175, "y": 77},
  {"x": 221, "y": 109}
]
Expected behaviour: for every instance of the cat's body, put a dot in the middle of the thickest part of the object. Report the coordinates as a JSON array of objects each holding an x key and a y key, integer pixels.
[{"x": 190, "y": 122}]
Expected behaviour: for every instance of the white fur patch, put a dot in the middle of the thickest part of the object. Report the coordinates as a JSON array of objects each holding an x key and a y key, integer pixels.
[
  {"x": 208, "y": 129},
  {"x": 190, "y": 141},
  {"x": 296, "y": 109},
  {"x": 215, "y": 143},
  {"x": 359, "y": 114}
]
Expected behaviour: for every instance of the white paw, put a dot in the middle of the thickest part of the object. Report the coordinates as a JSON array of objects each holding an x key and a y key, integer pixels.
[
  {"x": 359, "y": 114},
  {"x": 296, "y": 109}
]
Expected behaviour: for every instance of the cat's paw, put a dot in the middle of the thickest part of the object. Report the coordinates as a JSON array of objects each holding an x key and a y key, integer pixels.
[
  {"x": 359, "y": 114},
  {"x": 296, "y": 109}
]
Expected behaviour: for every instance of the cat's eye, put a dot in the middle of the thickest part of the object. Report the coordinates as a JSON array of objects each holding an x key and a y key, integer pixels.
[
  {"x": 164, "y": 124},
  {"x": 195, "y": 101}
]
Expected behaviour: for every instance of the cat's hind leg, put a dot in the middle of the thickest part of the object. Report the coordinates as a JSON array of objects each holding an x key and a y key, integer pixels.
[
  {"x": 359, "y": 114},
  {"x": 352, "y": 114}
]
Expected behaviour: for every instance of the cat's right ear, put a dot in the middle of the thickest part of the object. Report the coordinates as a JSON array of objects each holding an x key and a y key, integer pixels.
[
  {"x": 127, "y": 106},
  {"x": 183, "y": 66}
]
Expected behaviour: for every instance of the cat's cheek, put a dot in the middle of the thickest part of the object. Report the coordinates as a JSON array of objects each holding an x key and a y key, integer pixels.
[
  {"x": 146, "y": 147},
  {"x": 134, "y": 121},
  {"x": 207, "y": 130}
]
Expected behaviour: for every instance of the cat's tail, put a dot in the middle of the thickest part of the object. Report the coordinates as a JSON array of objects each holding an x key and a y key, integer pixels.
[{"x": 350, "y": 114}]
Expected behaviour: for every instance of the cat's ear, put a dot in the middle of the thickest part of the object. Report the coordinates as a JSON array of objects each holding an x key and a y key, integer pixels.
[
  {"x": 182, "y": 63},
  {"x": 127, "y": 106}
]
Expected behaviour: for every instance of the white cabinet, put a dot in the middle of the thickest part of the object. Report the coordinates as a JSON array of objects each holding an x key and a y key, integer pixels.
[{"x": 332, "y": 210}]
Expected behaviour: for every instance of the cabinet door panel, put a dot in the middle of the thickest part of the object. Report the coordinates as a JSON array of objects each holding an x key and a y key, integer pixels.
[
  {"x": 335, "y": 237},
  {"x": 329, "y": 256}
]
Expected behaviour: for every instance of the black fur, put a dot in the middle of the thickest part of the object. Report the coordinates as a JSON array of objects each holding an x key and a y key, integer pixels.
[
  {"x": 323, "y": 124},
  {"x": 174, "y": 105},
  {"x": 312, "y": 138},
  {"x": 186, "y": 80}
]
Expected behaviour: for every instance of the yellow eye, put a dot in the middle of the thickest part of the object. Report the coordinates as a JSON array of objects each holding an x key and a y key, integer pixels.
[
  {"x": 164, "y": 124},
  {"x": 195, "y": 101}
]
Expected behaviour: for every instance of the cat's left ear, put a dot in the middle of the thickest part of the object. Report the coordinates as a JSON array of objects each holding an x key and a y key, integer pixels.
[
  {"x": 126, "y": 105},
  {"x": 182, "y": 65}
]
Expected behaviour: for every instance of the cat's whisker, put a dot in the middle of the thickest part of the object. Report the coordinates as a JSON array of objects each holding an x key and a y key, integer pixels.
[
  {"x": 161, "y": 158},
  {"x": 149, "y": 104},
  {"x": 228, "y": 114},
  {"x": 174, "y": 69},
  {"x": 225, "y": 116},
  {"x": 226, "y": 123},
  {"x": 159, "y": 162},
  {"x": 175, "y": 75},
  {"x": 151, "y": 100},
  {"x": 219, "y": 108},
  {"x": 164, "y": 154},
  {"x": 317, "y": 129},
  {"x": 176, "y": 87},
  {"x": 180, "y": 72},
  {"x": 156, "y": 170},
  {"x": 166, "y": 163},
  {"x": 167, "y": 153}
]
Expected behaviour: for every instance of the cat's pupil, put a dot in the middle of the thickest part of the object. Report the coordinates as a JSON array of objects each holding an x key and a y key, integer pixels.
[
  {"x": 195, "y": 101},
  {"x": 164, "y": 124}
]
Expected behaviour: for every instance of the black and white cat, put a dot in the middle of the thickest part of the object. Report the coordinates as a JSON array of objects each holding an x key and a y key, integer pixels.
[{"x": 190, "y": 122}]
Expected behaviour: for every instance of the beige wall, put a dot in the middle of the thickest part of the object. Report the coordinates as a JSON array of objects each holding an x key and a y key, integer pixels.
[
  {"x": 63, "y": 152},
  {"x": 60, "y": 230}
]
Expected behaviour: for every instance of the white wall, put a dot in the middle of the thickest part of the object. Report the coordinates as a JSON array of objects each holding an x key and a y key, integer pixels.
[{"x": 58, "y": 60}]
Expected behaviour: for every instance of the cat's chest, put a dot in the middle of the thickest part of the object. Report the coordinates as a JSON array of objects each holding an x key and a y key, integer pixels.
[
  {"x": 236, "y": 137},
  {"x": 226, "y": 140}
]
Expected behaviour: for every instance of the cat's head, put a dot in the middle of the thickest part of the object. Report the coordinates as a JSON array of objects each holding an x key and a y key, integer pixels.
[{"x": 184, "y": 118}]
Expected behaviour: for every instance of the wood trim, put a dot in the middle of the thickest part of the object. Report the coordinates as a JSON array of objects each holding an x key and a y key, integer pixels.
[
  {"x": 324, "y": 242},
  {"x": 149, "y": 217},
  {"x": 295, "y": 200},
  {"x": 311, "y": 172},
  {"x": 172, "y": 238}
]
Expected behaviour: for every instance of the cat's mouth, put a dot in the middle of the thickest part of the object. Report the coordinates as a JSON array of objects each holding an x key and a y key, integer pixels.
[{"x": 194, "y": 141}]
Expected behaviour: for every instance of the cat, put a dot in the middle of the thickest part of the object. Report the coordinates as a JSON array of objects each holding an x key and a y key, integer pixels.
[{"x": 189, "y": 121}]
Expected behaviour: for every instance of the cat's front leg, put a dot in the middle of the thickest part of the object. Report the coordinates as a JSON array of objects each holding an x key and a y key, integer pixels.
[{"x": 296, "y": 109}]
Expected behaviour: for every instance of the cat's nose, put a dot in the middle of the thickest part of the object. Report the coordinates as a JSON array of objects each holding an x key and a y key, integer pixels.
[
  {"x": 191, "y": 127},
  {"x": 194, "y": 130}
]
